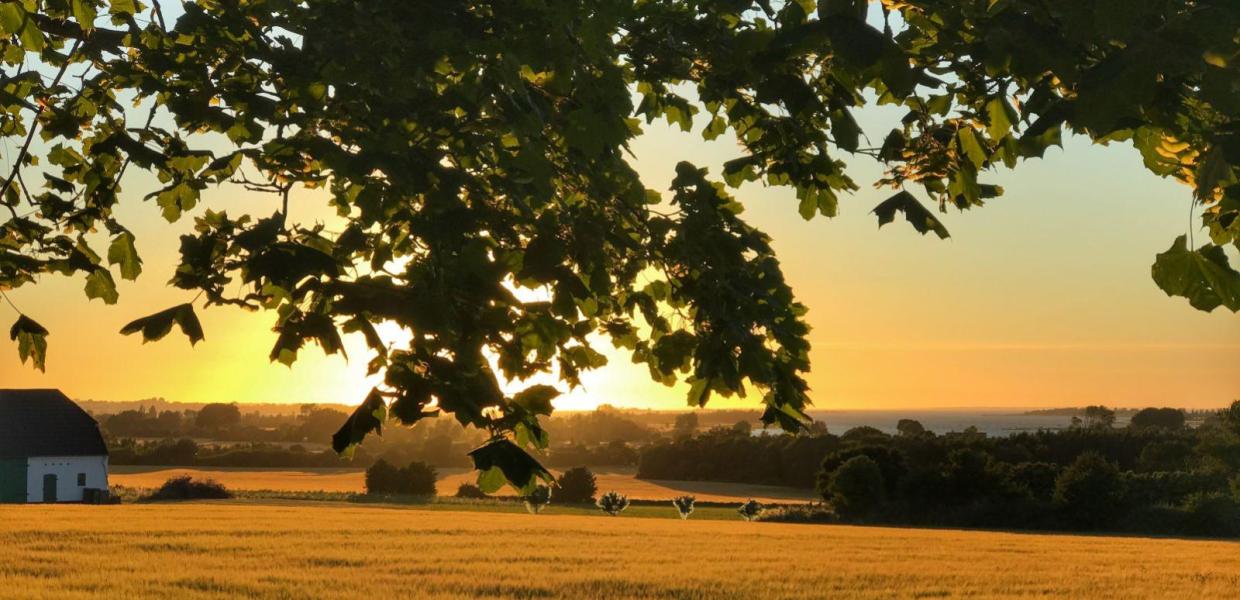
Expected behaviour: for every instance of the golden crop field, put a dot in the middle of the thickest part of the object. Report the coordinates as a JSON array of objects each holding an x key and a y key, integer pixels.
[
  {"x": 328, "y": 550},
  {"x": 345, "y": 480}
]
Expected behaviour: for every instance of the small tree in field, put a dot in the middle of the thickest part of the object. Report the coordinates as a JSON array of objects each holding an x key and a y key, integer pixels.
[
  {"x": 537, "y": 499},
  {"x": 684, "y": 505},
  {"x": 576, "y": 486},
  {"x": 613, "y": 503},
  {"x": 750, "y": 510}
]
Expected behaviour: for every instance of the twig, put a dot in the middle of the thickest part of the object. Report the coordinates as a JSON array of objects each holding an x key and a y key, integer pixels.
[{"x": 34, "y": 125}]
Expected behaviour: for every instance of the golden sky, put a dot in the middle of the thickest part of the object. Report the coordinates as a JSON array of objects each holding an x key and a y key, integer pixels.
[{"x": 1042, "y": 298}]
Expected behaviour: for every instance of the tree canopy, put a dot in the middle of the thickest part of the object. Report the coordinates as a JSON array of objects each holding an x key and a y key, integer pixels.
[{"x": 476, "y": 153}]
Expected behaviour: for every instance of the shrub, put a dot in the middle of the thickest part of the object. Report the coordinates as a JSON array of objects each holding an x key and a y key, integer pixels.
[
  {"x": 576, "y": 486},
  {"x": 469, "y": 490},
  {"x": 416, "y": 479},
  {"x": 750, "y": 510},
  {"x": 537, "y": 500},
  {"x": 684, "y": 505},
  {"x": 855, "y": 488},
  {"x": 1089, "y": 491},
  {"x": 805, "y": 513},
  {"x": 188, "y": 488},
  {"x": 613, "y": 503}
]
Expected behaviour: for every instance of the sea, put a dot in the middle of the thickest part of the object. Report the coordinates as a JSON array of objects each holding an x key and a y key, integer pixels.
[{"x": 998, "y": 422}]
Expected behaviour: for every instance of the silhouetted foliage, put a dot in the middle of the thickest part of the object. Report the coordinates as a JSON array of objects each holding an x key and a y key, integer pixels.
[
  {"x": 188, "y": 488},
  {"x": 856, "y": 487},
  {"x": 613, "y": 503},
  {"x": 537, "y": 499},
  {"x": 910, "y": 427},
  {"x": 1089, "y": 490},
  {"x": 415, "y": 479},
  {"x": 750, "y": 510},
  {"x": 576, "y": 486},
  {"x": 218, "y": 416},
  {"x": 684, "y": 505},
  {"x": 469, "y": 490},
  {"x": 1166, "y": 418}
]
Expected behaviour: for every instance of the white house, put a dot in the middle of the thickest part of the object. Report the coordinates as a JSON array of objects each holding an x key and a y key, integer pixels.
[{"x": 50, "y": 449}]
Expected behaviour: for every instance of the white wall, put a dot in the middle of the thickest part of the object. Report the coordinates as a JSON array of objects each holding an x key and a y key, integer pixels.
[{"x": 66, "y": 469}]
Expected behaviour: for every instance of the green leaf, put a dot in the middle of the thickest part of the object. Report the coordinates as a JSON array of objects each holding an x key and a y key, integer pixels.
[
  {"x": 155, "y": 327},
  {"x": 31, "y": 339},
  {"x": 515, "y": 465},
  {"x": 1001, "y": 115},
  {"x": 366, "y": 418},
  {"x": 85, "y": 13},
  {"x": 122, "y": 252},
  {"x": 1204, "y": 276},
  {"x": 971, "y": 146},
  {"x": 922, "y": 219},
  {"x": 124, "y": 7},
  {"x": 99, "y": 284}
]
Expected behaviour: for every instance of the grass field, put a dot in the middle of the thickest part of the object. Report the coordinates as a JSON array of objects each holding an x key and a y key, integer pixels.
[
  {"x": 342, "y": 480},
  {"x": 295, "y": 550}
]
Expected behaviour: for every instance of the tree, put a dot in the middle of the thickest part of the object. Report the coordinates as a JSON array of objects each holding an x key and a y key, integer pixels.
[
  {"x": 492, "y": 155},
  {"x": 613, "y": 503},
  {"x": 1099, "y": 416},
  {"x": 415, "y": 479},
  {"x": 910, "y": 428},
  {"x": 576, "y": 486},
  {"x": 1089, "y": 491},
  {"x": 1232, "y": 416},
  {"x": 214, "y": 417},
  {"x": 684, "y": 505},
  {"x": 1164, "y": 418},
  {"x": 856, "y": 488},
  {"x": 750, "y": 510},
  {"x": 686, "y": 425},
  {"x": 537, "y": 499},
  {"x": 742, "y": 427}
]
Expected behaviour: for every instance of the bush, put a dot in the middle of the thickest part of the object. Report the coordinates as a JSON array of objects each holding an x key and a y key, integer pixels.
[
  {"x": 855, "y": 488},
  {"x": 684, "y": 505},
  {"x": 469, "y": 490},
  {"x": 576, "y": 486},
  {"x": 806, "y": 513},
  {"x": 416, "y": 479},
  {"x": 750, "y": 510},
  {"x": 188, "y": 488},
  {"x": 537, "y": 500},
  {"x": 1089, "y": 491},
  {"x": 613, "y": 503}
]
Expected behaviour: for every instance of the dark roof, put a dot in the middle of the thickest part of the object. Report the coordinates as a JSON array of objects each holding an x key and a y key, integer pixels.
[{"x": 46, "y": 423}]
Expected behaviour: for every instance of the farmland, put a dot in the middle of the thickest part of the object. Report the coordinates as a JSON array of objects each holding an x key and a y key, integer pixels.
[
  {"x": 282, "y": 550},
  {"x": 341, "y": 480}
]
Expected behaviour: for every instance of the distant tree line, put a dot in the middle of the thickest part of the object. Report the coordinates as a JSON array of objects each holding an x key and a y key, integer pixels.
[
  {"x": 1153, "y": 476},
  {"x": 225, "y": 435}
]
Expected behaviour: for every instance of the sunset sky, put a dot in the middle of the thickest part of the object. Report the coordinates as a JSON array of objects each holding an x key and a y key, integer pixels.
[{"x": 1042, "y": 298}]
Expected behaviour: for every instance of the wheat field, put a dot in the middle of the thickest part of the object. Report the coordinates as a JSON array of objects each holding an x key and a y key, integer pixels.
[
  {"x": 352, "y": 480},
  {"x": 325, "y": 550}
]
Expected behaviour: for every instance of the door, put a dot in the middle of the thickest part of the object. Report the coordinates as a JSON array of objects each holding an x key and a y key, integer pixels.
[{"x": 49, "y": 487}]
